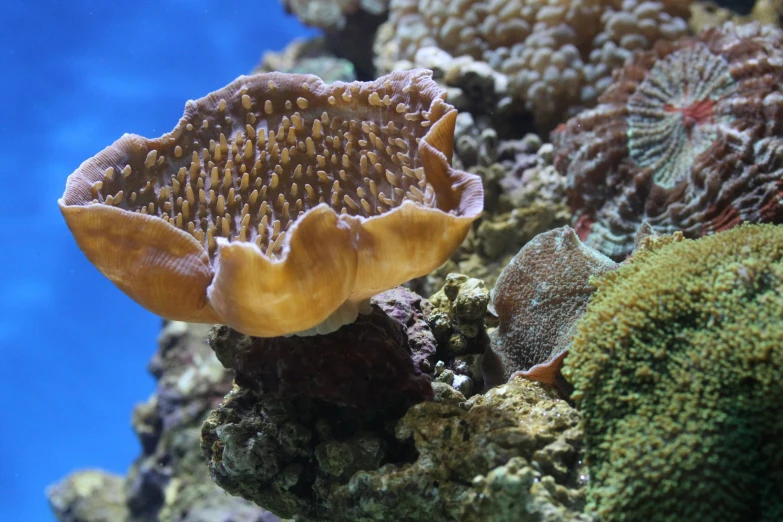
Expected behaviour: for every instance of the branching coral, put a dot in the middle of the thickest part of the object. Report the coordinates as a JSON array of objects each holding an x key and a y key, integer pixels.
[
  {"x": 689, "y": 137},
  {"x": 278, "y": 204},
  {"x": 676, "y": 367},
  {"x": 558, "y": 55}
]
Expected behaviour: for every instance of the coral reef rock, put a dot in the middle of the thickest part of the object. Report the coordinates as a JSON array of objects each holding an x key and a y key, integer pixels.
[
  {"x": 456, "y": 318},
  {"x": 332, "y": 14},
  {"x": 89, "y": 496},
  {"x": 689, "y": 137},
  {"x": 676, "y": 367},
  {"x": 279, "y": 204},
  {"x": 382, "y": 359},
  {"x": 169, "y": 482},
  {"x": 349, "y": 27},
  {"x": 538, "y": 299},
  {"x": 308, "y": 57},
  {"x": 446, "y": 460},
  {"x": 558, "y": 55}
]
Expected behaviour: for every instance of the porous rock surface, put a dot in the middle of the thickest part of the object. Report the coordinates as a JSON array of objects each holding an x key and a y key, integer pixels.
[
  {"x": 382, "y": 359},
  {"x": 319, "y": 462}
]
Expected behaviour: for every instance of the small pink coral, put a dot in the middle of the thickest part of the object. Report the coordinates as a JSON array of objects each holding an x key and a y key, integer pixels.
[{"x": 689, "y": 137}]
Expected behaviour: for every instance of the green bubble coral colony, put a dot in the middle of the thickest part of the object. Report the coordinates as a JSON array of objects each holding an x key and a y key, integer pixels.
[{"x": 677, "y": 369}]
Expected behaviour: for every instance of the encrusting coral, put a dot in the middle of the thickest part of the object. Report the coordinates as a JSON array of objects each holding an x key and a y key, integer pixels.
[
  {"x": 676, "y": 367},
  {"x": 558, "y": 55},
  {"x": 689, "y": 137},
  {"x": 278, "y": 204},
  {"x": 538, "y": 299}
]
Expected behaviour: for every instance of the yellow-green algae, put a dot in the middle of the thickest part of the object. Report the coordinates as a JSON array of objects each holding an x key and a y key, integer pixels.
[{"x": 677, "y": 369}]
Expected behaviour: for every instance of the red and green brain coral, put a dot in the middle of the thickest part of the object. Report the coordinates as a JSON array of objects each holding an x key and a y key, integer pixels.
[{"x": 689, "y": 137}]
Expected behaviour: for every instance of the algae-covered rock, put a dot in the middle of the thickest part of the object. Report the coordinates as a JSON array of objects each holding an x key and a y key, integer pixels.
[
  {"x": 288, "y": 454},
  {"x": 677, "y": 370},
  {"x": 458, "y": 445},
  {"x": 517, "y": 491},
  {"x": 321, "y": 462},
  {"x": 457, "y": 318},
  {"x": 89, "y": 496}
]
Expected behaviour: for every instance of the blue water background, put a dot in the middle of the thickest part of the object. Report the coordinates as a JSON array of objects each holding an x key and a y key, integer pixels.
[{"x": 74, "y": 76}]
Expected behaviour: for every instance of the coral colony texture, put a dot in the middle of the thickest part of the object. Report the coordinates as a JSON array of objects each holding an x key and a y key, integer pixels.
[
  {"x": 557, "y": 55},
  {"x": 688, "y": 138},
  {"x": 676, "y": 367},
  {"x": 522, "y": 374},
  {"x": 278, "y": 204}
]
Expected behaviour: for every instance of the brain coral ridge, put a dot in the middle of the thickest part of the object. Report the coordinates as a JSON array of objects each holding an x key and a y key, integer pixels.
[
  {"x": 558, "y": 55},
  {"x": 677, "y": 367},
  {"x": 689, "y": 137},
  {"x": 278, "y": 204}
]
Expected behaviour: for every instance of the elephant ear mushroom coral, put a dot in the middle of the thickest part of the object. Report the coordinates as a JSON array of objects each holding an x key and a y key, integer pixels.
[
  {"x": 278, "y": 204},
  {"x": 538, "y": 298},
  {"x": 689, "y": 137}
]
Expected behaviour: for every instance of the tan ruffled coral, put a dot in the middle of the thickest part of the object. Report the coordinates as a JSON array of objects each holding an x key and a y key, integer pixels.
[
  {"x": 278, "y": 204},
  {"x": 558, "y": 54}
]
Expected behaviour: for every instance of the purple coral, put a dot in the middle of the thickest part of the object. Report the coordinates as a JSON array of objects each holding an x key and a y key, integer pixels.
[
  {"x": 689, "y": 137},
  {"x": 380, "y": 360}
]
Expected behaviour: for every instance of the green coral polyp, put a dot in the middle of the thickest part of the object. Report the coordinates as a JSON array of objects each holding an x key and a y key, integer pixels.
[{"x": 677, "y": 369}]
